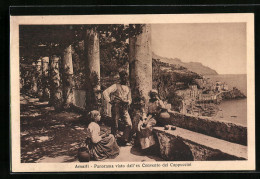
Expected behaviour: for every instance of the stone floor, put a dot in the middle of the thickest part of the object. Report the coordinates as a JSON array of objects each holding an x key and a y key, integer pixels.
[
  {"x": 127, "y": 154},
  {"x": 50, "y": 136}
]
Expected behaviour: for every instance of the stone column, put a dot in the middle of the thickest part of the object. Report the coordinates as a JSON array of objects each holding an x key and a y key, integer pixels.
[
  {"x": 45, "y": 78},
  {"x": 55, "y": 83},
  {"x": 21, "y": 82},
  {"x": 93, "y": 54},
  {"x": 68, "y": 82},
  {"x": 93, "y": 96},
  {"x": 39, "y": 78},
  {"x": 140, "y": 68},
  {"x": 34, "y": 80}
]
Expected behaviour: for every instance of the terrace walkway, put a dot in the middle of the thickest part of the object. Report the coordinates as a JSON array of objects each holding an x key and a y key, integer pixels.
[{"x": 50, "y": 136}]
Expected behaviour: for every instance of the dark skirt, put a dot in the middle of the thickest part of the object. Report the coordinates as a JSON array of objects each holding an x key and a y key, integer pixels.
[{"x": 104, "y": 149}]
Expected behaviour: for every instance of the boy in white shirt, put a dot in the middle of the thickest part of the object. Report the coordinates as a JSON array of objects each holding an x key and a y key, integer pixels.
[{"x": 120, "y": 103}]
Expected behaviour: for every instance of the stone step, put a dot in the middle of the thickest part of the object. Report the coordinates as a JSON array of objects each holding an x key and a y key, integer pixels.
[{"x": 198, "y": 141}]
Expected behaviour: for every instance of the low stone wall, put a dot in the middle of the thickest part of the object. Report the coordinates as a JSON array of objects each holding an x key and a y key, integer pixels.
[
  {"x": 202, "y": 153},
  {"x": 175, "y": 148},
  {"x": 219, "y": 129},
  {"x": 172, "y": 149}
]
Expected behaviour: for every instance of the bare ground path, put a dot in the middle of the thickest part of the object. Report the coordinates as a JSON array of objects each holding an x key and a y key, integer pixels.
[{"x": 50, "y": 136}]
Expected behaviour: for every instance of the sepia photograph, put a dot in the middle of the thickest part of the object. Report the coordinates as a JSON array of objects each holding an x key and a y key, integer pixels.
[{"x": 132, "y": 93}]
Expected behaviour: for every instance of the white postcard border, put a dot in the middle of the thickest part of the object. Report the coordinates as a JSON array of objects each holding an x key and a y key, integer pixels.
[{"x": 16, "y": 164}]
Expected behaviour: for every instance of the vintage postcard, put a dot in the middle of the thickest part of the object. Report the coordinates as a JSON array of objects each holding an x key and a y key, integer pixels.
[{"x": 98, "y": 93}]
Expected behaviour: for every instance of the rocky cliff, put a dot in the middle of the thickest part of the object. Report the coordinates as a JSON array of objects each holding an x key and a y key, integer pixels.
[
  {"x": 192, "y": 66},
  {"x": 233, "y": 94}
]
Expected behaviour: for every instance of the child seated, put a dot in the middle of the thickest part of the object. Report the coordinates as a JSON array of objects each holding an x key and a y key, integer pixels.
[
  {"x": 101, "y": 146},
  {"x": 145, "y": 134}
]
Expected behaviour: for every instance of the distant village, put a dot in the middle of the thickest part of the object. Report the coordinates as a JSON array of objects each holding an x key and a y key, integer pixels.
[
  {"x": 199, "y": 95},
  {"x": 199, "y": 98}
]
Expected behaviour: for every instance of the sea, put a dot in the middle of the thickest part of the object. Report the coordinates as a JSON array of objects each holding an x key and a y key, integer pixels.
[{"x": 234, "y": 111}]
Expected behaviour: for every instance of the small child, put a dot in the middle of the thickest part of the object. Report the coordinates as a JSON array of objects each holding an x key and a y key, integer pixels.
[
  {"x": 102, "y": 146},
  {"x": 145, "y": 134}
]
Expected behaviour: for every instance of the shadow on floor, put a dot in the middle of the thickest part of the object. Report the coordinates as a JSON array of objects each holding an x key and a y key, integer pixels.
[{"x": 151, "y": 153}]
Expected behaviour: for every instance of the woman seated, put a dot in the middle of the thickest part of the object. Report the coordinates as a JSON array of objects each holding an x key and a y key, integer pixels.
[
  {"x": 101, "y": 146},
  {"x": 156, "y": 107}
]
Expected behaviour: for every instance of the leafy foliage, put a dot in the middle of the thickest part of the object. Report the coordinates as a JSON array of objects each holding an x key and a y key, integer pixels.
[
  {"x": 165, "y": 81},
  {"x": 174, "y": 100},
  {"x": 48, "y": 40}
]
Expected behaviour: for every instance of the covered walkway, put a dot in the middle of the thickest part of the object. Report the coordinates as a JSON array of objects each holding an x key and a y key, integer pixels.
[{"x": 50, "y": 136}]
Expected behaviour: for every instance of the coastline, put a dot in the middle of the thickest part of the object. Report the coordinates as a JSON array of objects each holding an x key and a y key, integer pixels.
[
  {"x": 234, "y": 110},
  {"x": 233, "y": 80}
]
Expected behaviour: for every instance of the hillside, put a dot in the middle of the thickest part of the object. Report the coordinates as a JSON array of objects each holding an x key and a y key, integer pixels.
[
  {"x": 167, "y": 78},
  {"x": 192, "y": 66}
]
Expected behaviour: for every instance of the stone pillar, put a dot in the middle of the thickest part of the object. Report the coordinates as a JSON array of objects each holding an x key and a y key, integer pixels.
[
  {"x": 21, "y": 81},
  {"x": 68, "y": 82},
  {"x": 39, "y": 78},
  {"x": 93, "y": 54},
  {"x": 34, "y": 80},
  {"x": 55, "y": 83},
  {"x": 45, "y": 78},
  {"x": 93, "y": 97},
  {"x": 140, "y": 68}
]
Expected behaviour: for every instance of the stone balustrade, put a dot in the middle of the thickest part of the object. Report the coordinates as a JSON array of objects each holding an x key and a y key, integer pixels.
[
  {"x": 205, "y": 125},
  {"x": 185, "y": 145}
]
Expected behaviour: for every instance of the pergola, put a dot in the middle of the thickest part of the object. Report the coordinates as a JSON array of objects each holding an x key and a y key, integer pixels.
[{"x": 48, "y": 50}]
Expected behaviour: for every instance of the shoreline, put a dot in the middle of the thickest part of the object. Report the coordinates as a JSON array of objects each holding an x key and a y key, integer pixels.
[{"x": 233, "y": 110}]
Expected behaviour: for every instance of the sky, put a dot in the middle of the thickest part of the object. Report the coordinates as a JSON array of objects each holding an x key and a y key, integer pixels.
[{"x": 220, "y": 46}]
